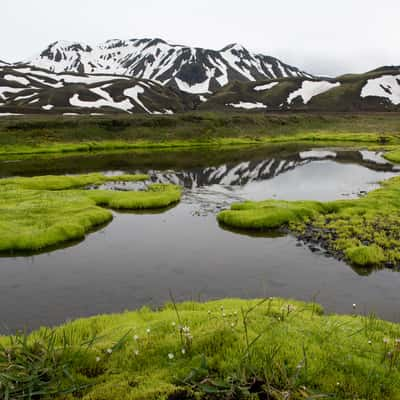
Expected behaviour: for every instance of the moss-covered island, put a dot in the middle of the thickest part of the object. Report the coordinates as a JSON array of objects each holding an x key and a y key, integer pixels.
[
  {"x": 366, "y": 231},
  {"x": 228, "y": 349},
  {"x": 47, "y": 211}
]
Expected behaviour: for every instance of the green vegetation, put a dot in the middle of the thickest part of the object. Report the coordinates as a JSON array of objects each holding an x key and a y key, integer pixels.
[
  {"x": 269, "y": 214},
  {"x": 366, "y": 231},
  {"x": 35, "y": 135},
  {"x": 47, "y": 211},
  {"x": 393, "y": 155},
  {"x": 53, "y": 182},
  {"x": 273, "y": 348}
]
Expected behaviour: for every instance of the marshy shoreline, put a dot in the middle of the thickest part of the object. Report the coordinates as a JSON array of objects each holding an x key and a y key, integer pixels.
[{"x": 269, "y": 348}]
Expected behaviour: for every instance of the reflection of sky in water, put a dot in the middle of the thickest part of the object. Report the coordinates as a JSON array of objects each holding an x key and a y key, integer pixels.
[{"x": 319, "y": 180}]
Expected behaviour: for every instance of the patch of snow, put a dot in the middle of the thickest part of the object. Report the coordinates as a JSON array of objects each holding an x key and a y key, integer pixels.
[
  {"x": 8, "y": 114},
  {"x": 247, "y": 105},
  {"x": 387, "y": 86},
  {"x": 106, "y": 101},
  {"x": 11, "y": 90},
  {"x": 48, "y": 107},
  {"x": 24, "y": 97},
  {"x": 265, "y": 87},
  {"x": 283, "y": 72},
  {"x": 202, "y": 99},
  {"x": 165, "y": 112},
  {"x": 309, "y": 89},
  {"x": 19, "y": 79},
  {"x": 133, "y": 93},
  {"x": 70, "y": 114},
  {"x": 194, "y": 89}
]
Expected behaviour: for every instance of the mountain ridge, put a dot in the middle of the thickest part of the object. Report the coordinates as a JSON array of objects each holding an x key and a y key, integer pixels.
[{"x": 194, "y": 70}]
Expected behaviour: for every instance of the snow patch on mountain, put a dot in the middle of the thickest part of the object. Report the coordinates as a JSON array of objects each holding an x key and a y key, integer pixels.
[
  {"x": 267, "y": 86},
  {"x": 48, "y": 107},
  {"x": 6, "y": 91},
  {"x": 309, "y": 89},
  {"x": 103, "y": 102},
  {"x": 133, "y": 93},
  {"x": 247, "y": 105},
  {"x": 198, "y": 88},
  {"x": 19, "y": 79},
  {"x": 387, "y": 86}
]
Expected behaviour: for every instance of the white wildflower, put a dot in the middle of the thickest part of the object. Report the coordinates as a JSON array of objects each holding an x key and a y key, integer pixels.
[
  {"x": 369, "y": 342},
  {"x": 136, "y": 352},
  {"x": 136, "y": 338},
  {"x": 385, "y": 340},
  {"x": 148, "y": 330},
  {"x": 186, "y": 330},
  {"x": 171, "y": 356},
  {"x": 98, "y": 359},
  {"x": 109, "y": 351},
  {"x": 183, "y": 351}
]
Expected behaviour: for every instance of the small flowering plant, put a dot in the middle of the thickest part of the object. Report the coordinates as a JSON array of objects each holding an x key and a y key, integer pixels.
[{"x": 186, "y": 337}]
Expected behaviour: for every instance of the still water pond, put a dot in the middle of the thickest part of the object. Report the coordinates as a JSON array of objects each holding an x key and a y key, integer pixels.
[{"x": 138, "y": 258}]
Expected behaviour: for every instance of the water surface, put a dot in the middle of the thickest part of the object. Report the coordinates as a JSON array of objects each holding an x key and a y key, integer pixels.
[{"x": 138, "y": 258}]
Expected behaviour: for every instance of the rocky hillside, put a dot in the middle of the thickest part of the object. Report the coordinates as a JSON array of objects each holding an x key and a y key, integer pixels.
[
  {"x": 189, "y": 69},
  {"x": 377, "y": 90},
  {"x": 28, "y": 90}
]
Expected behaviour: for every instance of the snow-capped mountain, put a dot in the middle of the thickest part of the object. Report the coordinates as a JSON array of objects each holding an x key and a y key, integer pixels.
[
  {"x": 29, "y": 90},
  {"x": 189, "y": 69}
]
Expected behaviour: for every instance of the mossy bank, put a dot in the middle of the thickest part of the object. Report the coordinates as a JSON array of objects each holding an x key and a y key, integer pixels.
[
  {"x": 364, "y": 231},
  {"x": 32, "y": 135},
  {"x": 40, "y": 212},
  {"x": 247, "y": 349}
]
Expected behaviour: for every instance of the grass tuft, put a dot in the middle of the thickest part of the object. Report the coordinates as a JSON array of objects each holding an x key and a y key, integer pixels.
[{"x": 270, "y": 348}]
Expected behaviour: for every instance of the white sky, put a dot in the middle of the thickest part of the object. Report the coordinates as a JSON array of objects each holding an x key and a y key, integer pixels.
[{"x": 320, "y": 36}]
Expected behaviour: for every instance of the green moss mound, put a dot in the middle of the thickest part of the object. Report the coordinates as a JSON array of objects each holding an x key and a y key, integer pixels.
[
  {"x": 366, "y": 230},
  {"x": 393, "y": 156},
  {"x": 39, "y": 212},
  {"x": 231, "y": 348},
  {"x": 269, "y": 214},
  {"x": 366, "y": 255}
]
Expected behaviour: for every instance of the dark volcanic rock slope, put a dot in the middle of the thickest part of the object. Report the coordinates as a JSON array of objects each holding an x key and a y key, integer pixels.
[
  {"x": 27, "y": 90},
  {"x": 192, "y": 70},
  {"x": 377, "y": 90}
]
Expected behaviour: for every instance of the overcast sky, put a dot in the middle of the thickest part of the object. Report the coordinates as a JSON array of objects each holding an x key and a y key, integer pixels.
[{"x": 320, "y": 36}]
